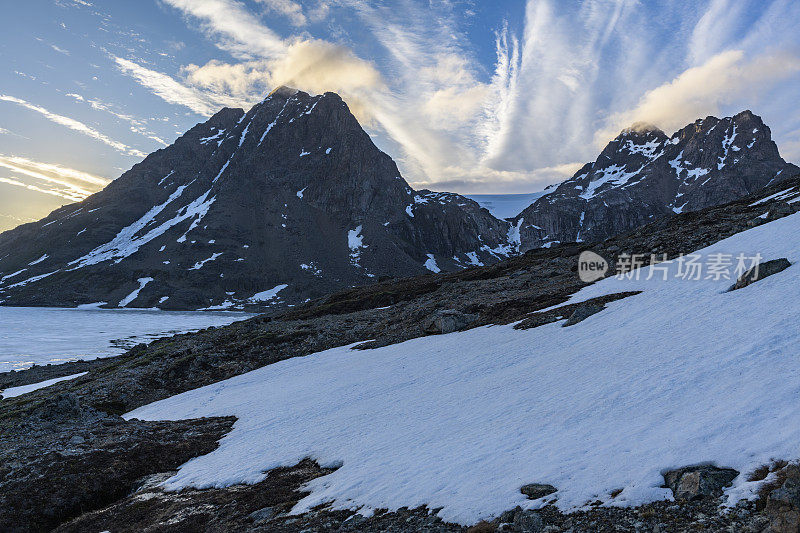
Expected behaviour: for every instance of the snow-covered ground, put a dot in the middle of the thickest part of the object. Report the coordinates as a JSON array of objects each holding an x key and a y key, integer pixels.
[
  {"x": 41, "y": 335},
  {"x": 506, "y": 205},
  {"x": 683, "y": 373},
  {"x": 13, "y": 392}
]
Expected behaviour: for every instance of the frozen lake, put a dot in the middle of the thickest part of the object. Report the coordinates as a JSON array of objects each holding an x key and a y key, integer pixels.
[
  {"x": 44, "y": 335},
  {"x": 506, "y": 205}
]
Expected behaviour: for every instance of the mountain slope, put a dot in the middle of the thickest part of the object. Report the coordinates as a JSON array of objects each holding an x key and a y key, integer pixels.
[
  {"x": 523, "y": 289},
  {"x": 286, "y": 202},
  {"x": 643, "y": 174}
]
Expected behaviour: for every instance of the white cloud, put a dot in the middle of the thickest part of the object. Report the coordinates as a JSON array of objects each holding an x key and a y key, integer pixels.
[
  {"x": 700, "y": 91},
  {"x": 288, "y": 8},
  {"x": 234, "y": 27},
  {"x": 75, "y": 125},
  {"x": 169, "y": 89}
]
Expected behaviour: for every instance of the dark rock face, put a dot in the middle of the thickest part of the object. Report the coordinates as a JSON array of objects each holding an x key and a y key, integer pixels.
[
  {"x": 761, "y": 271},
  {"x": 643, "y": 175},
  {"x": 286, "y": 202},
  {"x": 694, "y": 482}
]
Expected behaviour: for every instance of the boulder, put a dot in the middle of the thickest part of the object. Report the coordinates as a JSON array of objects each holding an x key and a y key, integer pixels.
[
  {"x": 761, "y": 271},
  {"x": 783, "y": 504},
  {"x": 446, "y": 321},
  {"x": 534, "y": 491},
  {"x": 696, "y": 482},
  {"x": 582, "y": 313}
]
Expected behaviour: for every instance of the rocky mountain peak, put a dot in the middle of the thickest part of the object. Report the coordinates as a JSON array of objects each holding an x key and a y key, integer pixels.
[
  {"x": 643, "y": 174},
  {"x": 640, "y": 129},
  {"x": 288, "y": 201},
  {"x": 283, "y": 91}
]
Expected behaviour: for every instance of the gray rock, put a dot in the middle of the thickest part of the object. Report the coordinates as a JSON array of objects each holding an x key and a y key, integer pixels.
[
  {"x": 582, "y": 313},
  {"x": 695, "y": 482},
  {"x": 753, "y": 222},
  {"x": 262, "y": 515},
  {"x": 783, "y": 504},
  {"x": 779, "y": 210},
  {"x": 534, "y": 491},
  {"x": 761, "y": 271},
  {"x": 446, "y": 321},
  {"x": 77, "y": 439},
  {"x": 508, "y": 516},
  {"x": 528, "y": 522}
]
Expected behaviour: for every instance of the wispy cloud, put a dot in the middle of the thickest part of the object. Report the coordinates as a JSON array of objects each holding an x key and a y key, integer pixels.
[
  {"x": 61, "y": 193},
  {"x": 136, "y": 125},
  {"x": 169, "y": 89},
  {"x": 567, "y": 77},
  {"x": 4, "y": 131},
  {"x": 75, "y": 125},
  {"x": 233, "y": 27},
  {"x": 53, "y": 179},
  {"x": 289, "y": 9}
]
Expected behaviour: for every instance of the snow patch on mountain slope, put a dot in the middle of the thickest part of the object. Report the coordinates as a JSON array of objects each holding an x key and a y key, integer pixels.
[
  {"x": 199, "y": 264},
  {"x": 355, "y": 241},
  {"x": 666, "y": 378},
  {"x": 126, "y": 242},
  {"x": 615, "y": 175},
  {"x": 135, "y": 294},
  {"x": 727, "y": 144},
  {"x": 649, "y": 149},
  {"x": 274, "y": 122},
  {"x": 431, "y": 265},
  {"x": 265, "y": 296},
  {"x": 37, "y": 261},
  {"x": 12, "y": 275}
]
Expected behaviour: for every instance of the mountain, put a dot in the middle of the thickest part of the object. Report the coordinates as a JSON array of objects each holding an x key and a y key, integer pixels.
[
  {"x": 643, "y": 174},
  {"x": 286, "y": 202}
]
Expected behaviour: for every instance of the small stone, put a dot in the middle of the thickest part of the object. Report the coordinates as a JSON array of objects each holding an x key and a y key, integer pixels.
[
  {"x": 696, "y": 482},
  {"x": 77, "y": 439},
  {"x": 534, "y": 491},
  {"x": 761, "y": 271},
  {"x": 582, "y": 313}
]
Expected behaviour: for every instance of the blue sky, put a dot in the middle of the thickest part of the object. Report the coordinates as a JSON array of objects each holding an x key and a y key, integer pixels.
[{"x": 466, "y": 95}]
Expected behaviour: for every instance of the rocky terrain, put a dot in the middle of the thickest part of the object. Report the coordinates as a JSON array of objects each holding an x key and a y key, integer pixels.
[
  {"x": 644, "y": 174},
  {"x": 89, "y": 469},
  {"x": 286, "y": 202}
]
